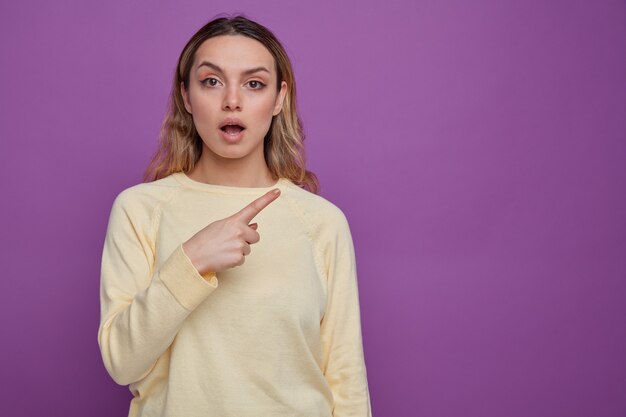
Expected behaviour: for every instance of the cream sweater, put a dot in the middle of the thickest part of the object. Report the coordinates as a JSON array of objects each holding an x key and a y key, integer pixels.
[{"x": 279, "y": 336}]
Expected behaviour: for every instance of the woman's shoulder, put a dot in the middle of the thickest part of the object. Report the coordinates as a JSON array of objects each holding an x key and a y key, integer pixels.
[
  {"x": 316, "y": 209},
  {"x": 147, "y": 195}
]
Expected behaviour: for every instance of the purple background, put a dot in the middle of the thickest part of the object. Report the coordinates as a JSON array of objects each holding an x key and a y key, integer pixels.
[{"x": 477, "y": 148}]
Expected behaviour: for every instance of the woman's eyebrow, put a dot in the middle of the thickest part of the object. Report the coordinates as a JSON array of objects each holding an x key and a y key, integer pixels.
[{"x": 218, "y": 69}]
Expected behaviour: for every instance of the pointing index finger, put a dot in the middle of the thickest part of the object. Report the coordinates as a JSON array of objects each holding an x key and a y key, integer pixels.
[{"x": 247, "y": 213}]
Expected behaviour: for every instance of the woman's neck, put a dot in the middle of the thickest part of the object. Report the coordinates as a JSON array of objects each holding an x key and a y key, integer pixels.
[{"x": 243, "y": 172}]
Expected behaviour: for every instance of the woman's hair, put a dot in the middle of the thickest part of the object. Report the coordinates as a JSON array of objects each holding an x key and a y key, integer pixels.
[{"x": 180, "y": 146}]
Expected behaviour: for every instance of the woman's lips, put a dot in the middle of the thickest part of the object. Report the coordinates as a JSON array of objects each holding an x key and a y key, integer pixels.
[{"x": 232, "y": 121}]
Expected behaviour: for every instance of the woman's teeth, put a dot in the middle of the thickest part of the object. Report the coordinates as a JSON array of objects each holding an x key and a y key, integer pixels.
[{"x": 232, "y": 129}]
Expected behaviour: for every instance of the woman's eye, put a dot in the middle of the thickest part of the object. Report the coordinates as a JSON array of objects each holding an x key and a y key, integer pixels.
[
  {"x": 256, "y": 85},
  {"x": 212, "y": 82}
]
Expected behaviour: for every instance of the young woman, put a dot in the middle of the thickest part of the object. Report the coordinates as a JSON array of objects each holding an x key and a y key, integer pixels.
[{"x": 195, "y": 320}]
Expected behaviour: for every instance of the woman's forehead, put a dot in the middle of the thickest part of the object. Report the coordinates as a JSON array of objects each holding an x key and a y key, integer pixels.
[{"x": 234, "y": 52}]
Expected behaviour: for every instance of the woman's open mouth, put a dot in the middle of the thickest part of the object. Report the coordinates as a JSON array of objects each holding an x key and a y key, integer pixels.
[
  {"x": 232, "y": 133},
  {"x": 232, "y": 130}
]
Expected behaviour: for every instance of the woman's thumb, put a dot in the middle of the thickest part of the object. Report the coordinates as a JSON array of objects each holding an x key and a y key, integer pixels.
[{"x": 253, "y": 226}]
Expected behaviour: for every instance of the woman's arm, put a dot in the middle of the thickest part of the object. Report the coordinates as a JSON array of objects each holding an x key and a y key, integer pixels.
[
  {"x": 343, "y": 358},
  {"x": 142, "y": 309}
]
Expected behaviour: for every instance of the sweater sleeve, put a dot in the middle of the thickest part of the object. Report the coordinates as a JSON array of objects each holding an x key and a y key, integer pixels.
[
  {"x": 343, "y": 357},
  {"x": 142, "y": 309}
]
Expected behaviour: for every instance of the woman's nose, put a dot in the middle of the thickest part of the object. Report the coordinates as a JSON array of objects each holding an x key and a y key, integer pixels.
[{"x": 232, "y": 99}]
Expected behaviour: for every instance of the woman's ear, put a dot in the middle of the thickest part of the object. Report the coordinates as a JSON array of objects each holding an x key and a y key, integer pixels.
[
  {"x": 183, "y": 93},
  {"x": 280, "y": 98}
]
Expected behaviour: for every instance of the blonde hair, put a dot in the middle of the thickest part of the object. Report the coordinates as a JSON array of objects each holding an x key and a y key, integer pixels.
[{"x": 180, "y": 146}]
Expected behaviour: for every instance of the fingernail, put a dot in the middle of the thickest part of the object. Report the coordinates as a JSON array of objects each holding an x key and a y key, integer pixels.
[{"x": 276, "y": 191}]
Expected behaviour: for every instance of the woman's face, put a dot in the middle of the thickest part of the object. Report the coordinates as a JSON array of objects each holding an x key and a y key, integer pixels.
[{"x": 233, "y": 82}]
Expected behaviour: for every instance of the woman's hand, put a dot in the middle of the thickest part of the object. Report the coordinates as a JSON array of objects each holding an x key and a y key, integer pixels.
[{"x": 224, "y": 243}]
